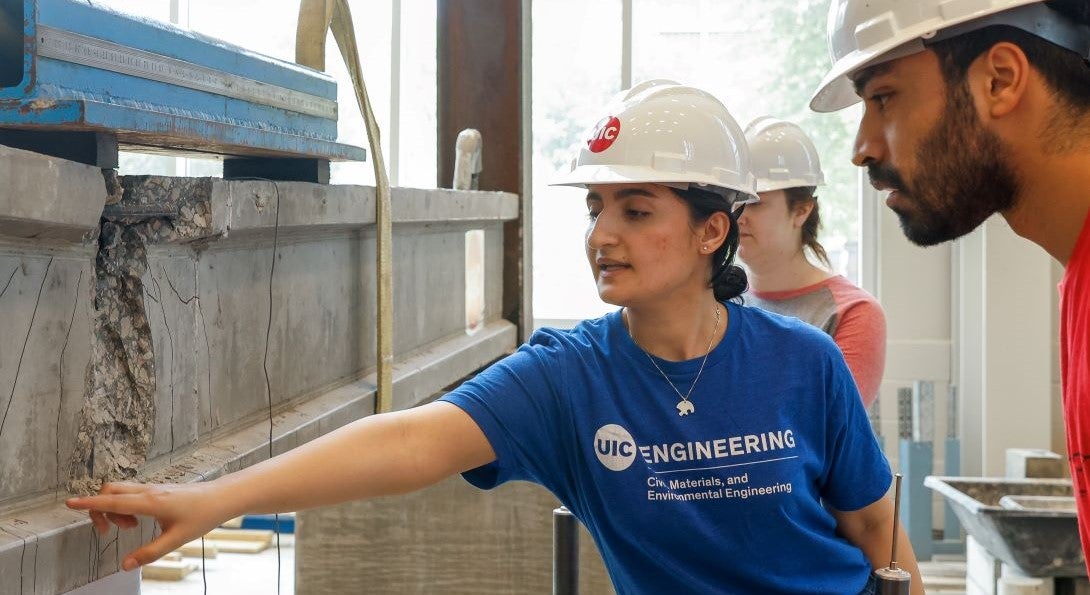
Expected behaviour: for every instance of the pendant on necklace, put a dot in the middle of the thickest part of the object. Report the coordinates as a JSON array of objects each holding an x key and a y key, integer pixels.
[{"x": 684, "y": 408}]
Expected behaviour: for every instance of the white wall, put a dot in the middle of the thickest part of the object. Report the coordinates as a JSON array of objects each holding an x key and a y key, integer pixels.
[
  {"x": 978, "y": 313},
  {"x": 914, "y": 286},
  {"x": 1005, "y": 308}
]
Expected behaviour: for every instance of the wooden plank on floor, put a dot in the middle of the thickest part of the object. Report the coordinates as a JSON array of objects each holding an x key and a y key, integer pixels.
[
  {"x": 167, "y": 571},
  {"x": 239, "y": 547},
  {"x": 193, "y": 550},
  {"x": 262, "y": 535}
]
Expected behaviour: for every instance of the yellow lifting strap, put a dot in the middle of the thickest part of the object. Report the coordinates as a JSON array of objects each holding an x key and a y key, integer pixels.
[{"x": 316, "y": 18}]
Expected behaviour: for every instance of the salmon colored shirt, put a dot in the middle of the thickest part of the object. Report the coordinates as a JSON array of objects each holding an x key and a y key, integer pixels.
[
  {"x": 848, "y": 314},
  {"x": 1075, "y": 370}
]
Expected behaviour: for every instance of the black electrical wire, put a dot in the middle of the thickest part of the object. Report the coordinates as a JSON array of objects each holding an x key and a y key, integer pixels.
[
  {"x": 265, "y": 360},
  {"x": 204, "y": 564}
]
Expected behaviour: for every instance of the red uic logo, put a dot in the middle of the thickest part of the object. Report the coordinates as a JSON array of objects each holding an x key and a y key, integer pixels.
[{"x": 605, "y": 132}]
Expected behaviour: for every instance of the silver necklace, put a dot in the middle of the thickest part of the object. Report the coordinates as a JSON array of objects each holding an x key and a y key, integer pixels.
[{"x": 684, "y": 406}]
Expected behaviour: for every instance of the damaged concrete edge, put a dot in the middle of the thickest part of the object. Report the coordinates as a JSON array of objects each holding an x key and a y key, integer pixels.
[
  {"x": 117, "y": 419},
  {"x": 419, "y": 376},
  {"x": 40, "y": 191}
]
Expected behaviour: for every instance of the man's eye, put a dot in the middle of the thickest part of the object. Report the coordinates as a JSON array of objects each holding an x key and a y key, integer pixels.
[
  {"x": 592, "y": 215},
  {"x": 880, "y": 99},
  {"x": 634, "y": 214}
]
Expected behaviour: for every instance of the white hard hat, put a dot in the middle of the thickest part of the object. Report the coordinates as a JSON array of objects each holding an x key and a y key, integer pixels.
[
  {"x": 864, "y": 33},
  {"x": 782, "y": 154},
  {"x": 665, "y": 133}
]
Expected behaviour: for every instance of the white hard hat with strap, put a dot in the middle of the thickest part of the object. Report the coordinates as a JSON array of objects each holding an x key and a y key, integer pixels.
[
  {"x": 665, "y": 133},
  {"x": 782, "y": 154},
  {"x": 865, "y": 33}
]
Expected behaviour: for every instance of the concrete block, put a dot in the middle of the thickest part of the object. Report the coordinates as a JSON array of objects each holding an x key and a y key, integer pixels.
[
  {"x": 1025, "y": 463},
  {"x": 46, "y": 198},
  {"x": 1025, "y": 586},
  {"x": 1013, "y": 582}
]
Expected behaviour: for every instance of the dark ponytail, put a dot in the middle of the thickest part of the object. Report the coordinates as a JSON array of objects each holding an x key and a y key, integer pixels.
[{"x": 728, "y": 279}]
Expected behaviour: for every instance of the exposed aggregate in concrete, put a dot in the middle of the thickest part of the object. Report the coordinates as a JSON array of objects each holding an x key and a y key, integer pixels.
[{"x": 117, "y": 421}]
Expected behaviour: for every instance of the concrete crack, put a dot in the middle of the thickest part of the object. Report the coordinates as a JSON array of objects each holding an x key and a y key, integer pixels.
[
  {"x": 90, "y": 555},
  {"x": 60, "y": 374},
  {"x": 22, "y": 556},
  {"x": 22, "y": 353},
  {"x": 170, "y": 337},
  {"x": 8, "y": 284},
  {"x": 106, "y": 547},
  {"x": 34, "y": 585},
  {"x": 207, "y": 347},
  {"x": 172, "y": 288}
]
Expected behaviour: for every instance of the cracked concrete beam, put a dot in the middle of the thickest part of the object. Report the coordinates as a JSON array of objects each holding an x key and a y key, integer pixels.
[
  {"x": 119, "y": 336},
  {"x": 40, "y": 396}
]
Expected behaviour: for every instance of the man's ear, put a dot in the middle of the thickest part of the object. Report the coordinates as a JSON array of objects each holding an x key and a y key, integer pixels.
[{"x": 998, "y": 79}]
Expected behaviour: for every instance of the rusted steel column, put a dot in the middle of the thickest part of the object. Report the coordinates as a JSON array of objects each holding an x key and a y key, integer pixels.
[{"x": 483, "y": 56}]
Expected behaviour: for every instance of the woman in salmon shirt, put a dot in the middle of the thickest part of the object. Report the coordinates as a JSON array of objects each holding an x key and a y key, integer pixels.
[{"x": 780, "y": 246}]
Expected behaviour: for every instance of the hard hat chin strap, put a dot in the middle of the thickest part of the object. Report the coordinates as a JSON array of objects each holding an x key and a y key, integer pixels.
[{"x": 1035, "y": 19}]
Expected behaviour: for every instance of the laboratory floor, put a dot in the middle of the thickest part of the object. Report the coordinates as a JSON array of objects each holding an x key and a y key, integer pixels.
[{"x": 235, "y": 574}]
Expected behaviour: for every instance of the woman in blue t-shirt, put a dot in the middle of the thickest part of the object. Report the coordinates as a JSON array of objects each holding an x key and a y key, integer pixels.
[{"x": 708, "y": 448}]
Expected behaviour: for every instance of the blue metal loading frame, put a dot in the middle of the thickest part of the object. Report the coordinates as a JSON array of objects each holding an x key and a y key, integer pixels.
[{"x": 81, "y": 81}]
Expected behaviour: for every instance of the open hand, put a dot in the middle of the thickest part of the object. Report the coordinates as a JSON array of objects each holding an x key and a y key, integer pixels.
[{"x": 184, "y": 513}]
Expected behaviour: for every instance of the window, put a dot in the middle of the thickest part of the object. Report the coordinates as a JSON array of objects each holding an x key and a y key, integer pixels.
[
  {"x": 758, "y": 58},
  {"x": 406, "y": 118},
  {"x": 576, "y": 69}
]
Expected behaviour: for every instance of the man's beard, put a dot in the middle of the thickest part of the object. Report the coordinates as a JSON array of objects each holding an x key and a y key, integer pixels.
[{"x": 962, "y": 176}]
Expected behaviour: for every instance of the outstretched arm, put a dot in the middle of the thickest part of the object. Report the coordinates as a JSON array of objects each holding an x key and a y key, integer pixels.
[{"x": 380, "y": 455}]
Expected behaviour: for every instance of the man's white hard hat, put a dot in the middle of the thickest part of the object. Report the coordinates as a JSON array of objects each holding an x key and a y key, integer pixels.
[{"x": 865, "y": 33}]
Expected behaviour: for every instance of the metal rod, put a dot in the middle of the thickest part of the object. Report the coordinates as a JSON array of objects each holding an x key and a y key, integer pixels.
[
  {"x": 896, "y": 520},
  {"x": 565, "y": 553}
]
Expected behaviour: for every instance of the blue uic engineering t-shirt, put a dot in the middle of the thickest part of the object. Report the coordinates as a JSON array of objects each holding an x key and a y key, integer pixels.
[{"x": 727, "y": 499}]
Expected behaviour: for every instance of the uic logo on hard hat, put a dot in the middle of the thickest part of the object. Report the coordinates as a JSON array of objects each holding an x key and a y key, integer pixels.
[
  {"x": 615, "y": 447},
  {"x": 605, "y": 132}
]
